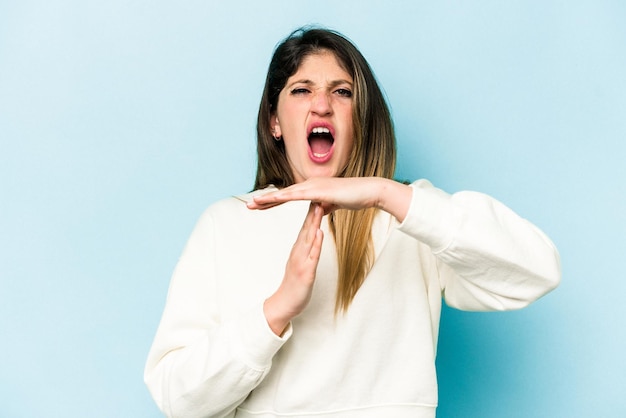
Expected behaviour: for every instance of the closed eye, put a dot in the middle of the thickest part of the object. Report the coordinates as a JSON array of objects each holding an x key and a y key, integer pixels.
[
  {"x": 344, "y": 92},
  {"x": 300, "y": 90}
]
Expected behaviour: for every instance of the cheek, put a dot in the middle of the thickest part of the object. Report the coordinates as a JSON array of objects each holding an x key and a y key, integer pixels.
[
  {"x": 289, "y": 119},
  {"x": 349, "y": 129},
  {"x": 347, "y": 117}
]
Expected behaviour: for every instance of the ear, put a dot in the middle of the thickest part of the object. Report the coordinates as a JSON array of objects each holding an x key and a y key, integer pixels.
[{"x": 275, "y": 125}]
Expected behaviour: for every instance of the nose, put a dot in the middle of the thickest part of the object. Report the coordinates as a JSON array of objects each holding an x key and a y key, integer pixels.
[{"x": 321, "y": 103}]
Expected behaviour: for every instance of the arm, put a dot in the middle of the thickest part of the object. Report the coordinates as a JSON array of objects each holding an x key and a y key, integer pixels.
[
  {"x": 489, "y": 258},
  {"x": 343, "y": 193},
  {"x": 203, "y": 365},
  {"x": 199, "y": 364},
  {"x": 294, "y": 292}
]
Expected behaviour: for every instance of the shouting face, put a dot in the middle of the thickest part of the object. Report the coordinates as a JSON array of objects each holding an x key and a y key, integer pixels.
[{"x": 314, "y": 117}]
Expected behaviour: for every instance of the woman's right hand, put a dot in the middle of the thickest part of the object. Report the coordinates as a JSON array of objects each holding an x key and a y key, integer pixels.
[{"x": 294, "y": 293}]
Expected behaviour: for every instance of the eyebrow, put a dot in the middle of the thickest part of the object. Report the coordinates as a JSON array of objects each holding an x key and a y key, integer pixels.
[{"x": 332, "y": 84}]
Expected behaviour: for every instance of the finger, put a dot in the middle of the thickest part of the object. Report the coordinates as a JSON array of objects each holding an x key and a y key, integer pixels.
[
  {"x": 272, "y": 199},
  {"x": 313, "y": 245},
  {"x": 306, "y": 250},
  {"x": 299, "y": 191},
  {"x": 312, "y": 222},
  {"x": 268, "y": 201},
  {"x": 306, "y": 233},
  {"x": 328, "y": 208},
  {"x": 262, "y": 206},
  {"x": 318, "y": 213},
  {"x": 316, "y": 247}
]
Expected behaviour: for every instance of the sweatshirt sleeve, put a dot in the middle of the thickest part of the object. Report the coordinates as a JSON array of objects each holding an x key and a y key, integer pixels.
[
  {"x": 488, "y": 258},
  {"x": 200, "y": 364}
]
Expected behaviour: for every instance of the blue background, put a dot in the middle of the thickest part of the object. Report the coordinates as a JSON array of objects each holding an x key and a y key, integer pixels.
[{"x": 121, "y": 121}]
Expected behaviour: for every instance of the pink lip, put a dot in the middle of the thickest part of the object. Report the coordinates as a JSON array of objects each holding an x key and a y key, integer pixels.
[
  {"x": 326, "y": 125},
  {"x": 326, "y": 157},
  {"x": 323, "y": 159}
]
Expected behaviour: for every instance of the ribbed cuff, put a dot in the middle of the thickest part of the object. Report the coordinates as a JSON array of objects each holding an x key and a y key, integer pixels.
[
  {"x": 431, "y": 217},
  {"x": 258, "y": 342}
]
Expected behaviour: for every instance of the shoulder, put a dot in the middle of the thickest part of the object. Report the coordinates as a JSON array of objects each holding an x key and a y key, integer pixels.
[
  {"x": 234, "y": 210},
  {"x": 235, "y": 204}
]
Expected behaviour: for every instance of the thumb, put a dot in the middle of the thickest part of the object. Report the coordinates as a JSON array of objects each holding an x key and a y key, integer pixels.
[{"x": 328, "y": 207}]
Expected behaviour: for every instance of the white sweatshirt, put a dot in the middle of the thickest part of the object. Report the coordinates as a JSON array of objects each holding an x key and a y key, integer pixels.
[{"x": 214, "y": 354}]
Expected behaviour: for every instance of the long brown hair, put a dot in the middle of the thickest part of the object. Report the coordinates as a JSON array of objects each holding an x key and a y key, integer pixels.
[{"x": 373, "y": 153}]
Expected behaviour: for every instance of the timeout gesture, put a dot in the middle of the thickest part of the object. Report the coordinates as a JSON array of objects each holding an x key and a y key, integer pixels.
[{"x": 343, "y": 193}]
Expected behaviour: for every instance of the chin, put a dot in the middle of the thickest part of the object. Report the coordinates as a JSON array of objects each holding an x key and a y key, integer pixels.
[{"x": 322, "y": 173}]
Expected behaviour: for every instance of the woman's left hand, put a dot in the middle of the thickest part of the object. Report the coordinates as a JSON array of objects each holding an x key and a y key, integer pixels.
[{"x": 343, "y": 193}]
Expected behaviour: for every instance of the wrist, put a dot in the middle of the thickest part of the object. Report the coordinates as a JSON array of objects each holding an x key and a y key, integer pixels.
[
  {"x": 277, "y": 322},
  {"x": 394, "y": 198}
]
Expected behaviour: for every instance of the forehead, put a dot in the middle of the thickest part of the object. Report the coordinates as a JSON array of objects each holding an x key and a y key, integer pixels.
[{"x": 324, "y": 64}]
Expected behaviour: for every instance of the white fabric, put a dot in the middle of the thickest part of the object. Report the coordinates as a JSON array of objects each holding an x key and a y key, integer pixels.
[{"x": 215, "y": 356}]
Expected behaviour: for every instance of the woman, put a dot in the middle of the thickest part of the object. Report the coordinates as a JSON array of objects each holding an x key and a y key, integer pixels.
[{"x": 344, "y": 322}]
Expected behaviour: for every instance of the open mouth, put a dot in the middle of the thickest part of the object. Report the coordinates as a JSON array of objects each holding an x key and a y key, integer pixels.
[{"x": 321, "y": 143}]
